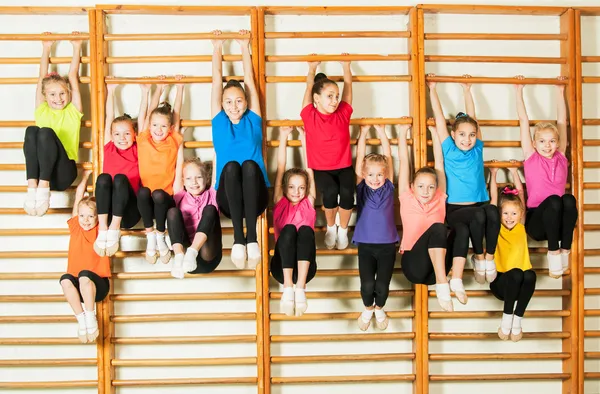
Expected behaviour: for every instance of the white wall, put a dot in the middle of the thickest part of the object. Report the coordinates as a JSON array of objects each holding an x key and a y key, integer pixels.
[{"x": 284, "y": 101}]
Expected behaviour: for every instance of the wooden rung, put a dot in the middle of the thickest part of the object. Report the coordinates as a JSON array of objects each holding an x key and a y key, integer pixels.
[
  {"x": 21, "y": 167},
  {"x": 183, "y": 296},
  {"x": 495, "y": 164},
  {"x": 123, "y": 9},
  {"x": 33, "y": 255},
  {"x": 339, "y": 78},
  {"x": 591, "y": 122},
  {"x": 167, "y": 275},
  {"x": 49, "y": 385},
  {"x": 33, "y": 298},
  {"x": 495, "y": 36},
  {"x": 592, "y": 355},
  {"x": 591, "y": 164},
  {"x": 168, "y": 80},
  {"x": 338, "y": 294},
  {"x": 345, "y": 272},
  {"x": 392, "y": 336},
  {"x": 521, "y": 376},
  {"x": 591, "y": 291},
  {"x": 591, "y": 207},
  {"x": 335, "y": 58},
  {"x": 356, "y": 121},
  {"x": 591, "y": 312},
  {"x": 36, "y": 60},
  {"x": 166, "y": 362},
  {"x": 31, "y": 81},
  {"x": 23, "y": 189},
  {"x": 590, "y": 79},
  {"x": 19, "y": 145},
  {"x": 500, "y": 80},
  {"x": 336, "y": 316},
  {"x": 591, "y": 375},
  {"x": 490, "y": 9},
  {"x": 172, "y": 36},
  {"x": 183, "y": 381},
  {"x": 20, "y": 211},
  {"x": 591, "y": 252},
  {"x": 183, "y": 340},
  {"x": 25, "y": 123},
  {"x": 43, "y": 37},
  {"x": 66, "y": 362},
  {"x": 344, "y": 379},
  {"x": 33, "y": 231},
  {"x": 591, "y": 227},
  {"x": 591, "y": 142},
  {"x": 486, "y": 314},
  {"x": 338, "y": 34},
  {"x": 342, "y": 358},
  {"x": 169, "y": 59},
  {"x": 494, "y": 335},
  {"x": 353, "y": 141},
  {"x": 37, "y": 319},
  {"x": 493, "y": 122},
  {"x": 496, "y": 59},
  {"x": 172, "y": 317},
  {"x": 316, "y": 10},
  {"x": 590, "y": 59},
  {"x": 497, "y": 356},
  {"x": 327, "y": 252},
  {"x": 537, "y": 293},
  {"x": 30, "y": 275},
  {"x": 494, "y": 144},
  {"x": 41, "y": 341}
]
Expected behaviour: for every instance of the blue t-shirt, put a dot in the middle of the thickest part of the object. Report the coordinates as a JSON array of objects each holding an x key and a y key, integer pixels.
[
  {"x": 238, "y": 142},
  {"x": 464, "y": 173},
  {"x": 376, "y": 222}
]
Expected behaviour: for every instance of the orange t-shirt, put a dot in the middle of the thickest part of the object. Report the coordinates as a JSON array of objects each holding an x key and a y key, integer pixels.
[
  {"x": 81, "y": 251},
  {"x": 417, "y": 217},
  {"x": 157, "y": 161}
]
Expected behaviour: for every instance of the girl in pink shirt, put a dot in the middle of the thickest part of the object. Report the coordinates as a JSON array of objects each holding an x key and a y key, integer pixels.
[
  {"x": 294, "y": 215},
  {"x": 551, "y": 214},
  {"x": 422, "y": 210},
  {"x": 194, "y": 222}
]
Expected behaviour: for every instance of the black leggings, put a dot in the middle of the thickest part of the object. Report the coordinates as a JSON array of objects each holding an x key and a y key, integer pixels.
[
  {"x": 46, "y": 158},
  {"x": 293, "y": 246},
  {"x": 514, "y": 285},
  {"x": 416, "y": 263},
  {"x": 209, "y": 256},
  {"x": 553, "y": 220},
  {"x": 102, "y": 284},
  {"x": 375, "y": 268},
  {"x": 473, "y": 221},
  {"x": 117, "y": 198},
  {"x": 242, "y": 194},
  {"x": 154, "y": 206},
  {"x": 336, "y": 182}
]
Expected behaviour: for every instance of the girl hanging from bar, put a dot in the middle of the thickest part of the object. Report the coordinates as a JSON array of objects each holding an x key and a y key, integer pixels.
[
  {"x": 375, "y": 231},
  {"x": 118, "y": 185},
  {"x": 86, "y": 280},
  {"x": 551, "y": 214},
  {"x": 194, "y": 222},
  {"x": 294, "y": 215},
  {"x": 51, "y": 147},
  {"x": 160, "y": 154},
  {"x": 516, "y": 279},
  {"x": 423, "y": 210},
  {"x": 326, "y": 118},
  {"x": 467, "y": 212},
  {"x": 237, "y": 133}
]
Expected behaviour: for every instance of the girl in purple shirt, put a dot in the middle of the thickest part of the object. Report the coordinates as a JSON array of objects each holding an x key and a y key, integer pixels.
[
  {"x": 375, "y": 231},
  {"x": 551, "y": 214},
  {"x": 194, "y": 222}
]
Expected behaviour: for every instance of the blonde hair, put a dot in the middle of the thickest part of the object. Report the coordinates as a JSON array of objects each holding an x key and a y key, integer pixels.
[
  {"x": 545, "y": 126},
  {"x": 375, "y": 158},
  {"x": 205, "y": 168},
  {"x": 89, "y": 202},
  {"x": 54, "y": 77}
]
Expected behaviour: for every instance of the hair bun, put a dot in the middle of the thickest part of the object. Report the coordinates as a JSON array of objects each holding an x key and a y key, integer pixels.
[
  {"x": 126, "y": 115},
  {"x": 320, "y": 76},
  {"x": 461, "y": 115},
  {"x": 166, "y": 105}
]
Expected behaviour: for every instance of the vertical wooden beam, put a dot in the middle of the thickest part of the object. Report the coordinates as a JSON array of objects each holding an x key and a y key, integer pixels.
[
  {"x": 570, "y": 324},
  {"x": 577, "y": 260}
]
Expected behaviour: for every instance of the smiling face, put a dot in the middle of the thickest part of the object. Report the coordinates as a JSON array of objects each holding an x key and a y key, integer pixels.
[
  {"x": 160, "y": 126},
  {"x": 234, "y": 103},
  {"x": 465, "y": 136},
  {"x": 374, "y": 175},
  {"x": 87, "y": 216},
  {"x": 193, "y": 180},
  {"x": 295, "y": 190},
  {"x": 546, "y": 142},
  {"x": 57, "y": 95},
  {"x": 511, "y": 214},
  {"x": 424, "y": 187},
  {"x": 328, "y": 100},
  {"x": 122, "y": 134}
]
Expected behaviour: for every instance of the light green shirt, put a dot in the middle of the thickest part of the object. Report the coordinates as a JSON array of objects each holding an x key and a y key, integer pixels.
[{"x": 65, "y": 122}]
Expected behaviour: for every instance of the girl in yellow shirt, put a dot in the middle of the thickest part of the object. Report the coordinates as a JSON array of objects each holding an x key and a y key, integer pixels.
[
  {"x": 52, "y": 145},
  {"x": 516, "y": 278}
]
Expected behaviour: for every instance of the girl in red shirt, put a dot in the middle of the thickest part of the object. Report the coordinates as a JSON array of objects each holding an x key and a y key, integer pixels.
[{"x": 326, "y": 118}]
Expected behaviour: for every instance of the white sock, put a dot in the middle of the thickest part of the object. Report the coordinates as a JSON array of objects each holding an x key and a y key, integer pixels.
[
  {"x": 442, "y": 291},
  {"x": 490, "y": 265},
  {"x": 102, "y": 236},
  {"x": 30, "y": 196},
  {"x": 177, "y": 270},
  {"x": 112, "y": 236},
  {"x": 479, "y": 265},
  {"x": 367, "y": 314},
  {"x": 300, "y": 295},
  {"x": 42, "y": 193},
  {"x": 288, "y": 294},
  {"x": 81, "y": 320},
  {"x": 507, "y": 322},
  {"x": 380, "y": 315},
  {"x": 332, "y": 229},
  {"x": 342, "y": 231},
  {"x": 161, "y": 243},
  {"x": 151, "y": 246},
  {"x": 516, "y": 325},
  {"x": 90, "y": 321},
  {"x": 189, "y": 260}
]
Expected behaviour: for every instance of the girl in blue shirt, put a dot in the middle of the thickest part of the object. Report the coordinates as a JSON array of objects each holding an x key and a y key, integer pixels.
[
  {"x": 241, "y": 178},
  {"x": 467, "y": 212}
]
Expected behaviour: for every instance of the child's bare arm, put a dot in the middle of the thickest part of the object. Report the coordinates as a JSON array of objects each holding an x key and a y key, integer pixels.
[
  {"x": 178, "y": 183},
  {"x": 217, "y": 74},
  {"x": 561, "y": 116},
  {"x": 404, "y": 170},
  {"x": 387, "y": 150},
  {"x": 249, "y": 83},
  {"x": 310, "y": 81},
  {"x": 526, "y": 143},
  {"x": 284, "y": 132},
  {"x": 493, "y": 186},
  {"x": 145, "y": 88},
  {"x": 74, "y": 74},
  {"x": 312, "y": 188},
  {"x": 470, "y": 103},
  {"x": 177, "y": 105},
  {"x": 439, "y": 159},
  {"x": 160, "y": 88},
  {"x": 80, "y": 192},
  {"x": 514, "y": 171},
  {"x": 440, "y": 119},
  {"x": 110, "y": 111},
  {"x": 347, "y": 91},
  {"x": 44, "y": 63},
  {"x": 360, "y": 152}
]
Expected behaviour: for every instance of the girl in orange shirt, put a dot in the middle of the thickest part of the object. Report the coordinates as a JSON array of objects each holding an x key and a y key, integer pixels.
[
  {"x": 160, "y": 156},
  {"x": 87, "y": 274}
]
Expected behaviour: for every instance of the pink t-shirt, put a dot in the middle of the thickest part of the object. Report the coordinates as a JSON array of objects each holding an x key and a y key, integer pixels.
[
  {"x": 191, "y": 208},
  {"x": 301, "y": 214},
  {"x": 327, "y": 137},
  {"x": 545, "y": 177},
  {"x": 417, "y": 217}
]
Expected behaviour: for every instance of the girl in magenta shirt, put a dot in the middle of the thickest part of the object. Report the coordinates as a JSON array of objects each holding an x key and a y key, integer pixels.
[
  {"x": 117, "y": 186},
  {"x": 551, "y": 214},
  {"x": 326, "y": 118},
  {"x": 294, "y": 215},
  {"x": 194, "y": 222}
]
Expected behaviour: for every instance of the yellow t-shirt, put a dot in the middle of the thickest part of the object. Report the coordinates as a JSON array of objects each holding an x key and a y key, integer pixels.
[
  {"x": 65, "y": 122},
  {"x": 512, "y": 251}
]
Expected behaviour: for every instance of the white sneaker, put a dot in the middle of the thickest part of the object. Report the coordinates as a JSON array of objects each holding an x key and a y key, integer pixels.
[
  {"x": 555, "y": 268},
  {"x": 287, "y": 301},
  {"x": 330, "y": 237},
  {"x": 238, "y": 255},
  {"x": 177, "y": 269},
  {"x": 189, "y": 260},
  {"x": 253, "y": 252},
  {"x": 342, "y": 238},
  {"x": 457, "y": 286}
]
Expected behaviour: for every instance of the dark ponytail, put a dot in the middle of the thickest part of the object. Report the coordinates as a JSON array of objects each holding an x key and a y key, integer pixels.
[{"x": 321, "y": 81}]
